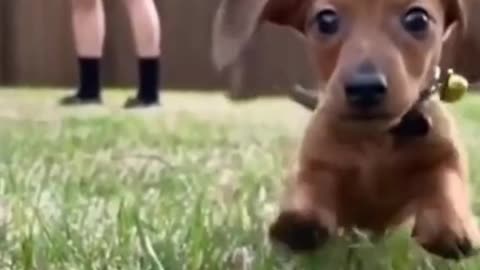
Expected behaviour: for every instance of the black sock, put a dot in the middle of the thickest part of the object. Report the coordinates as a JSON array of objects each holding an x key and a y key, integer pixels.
[
  {"x": 89, "y": 73},
  {"x": 149, "y": 77}
]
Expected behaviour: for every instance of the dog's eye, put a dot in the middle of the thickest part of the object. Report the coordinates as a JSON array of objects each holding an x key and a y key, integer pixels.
[
  {"x": 327, "y": 22},
  {"x": 416, "y": 20}
]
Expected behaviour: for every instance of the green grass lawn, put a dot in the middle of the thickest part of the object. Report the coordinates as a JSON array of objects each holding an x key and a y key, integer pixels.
[{"x": 191, "y": 186}]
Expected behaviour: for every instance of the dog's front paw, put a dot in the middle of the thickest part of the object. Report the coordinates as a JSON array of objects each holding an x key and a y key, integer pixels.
[
  {"x": 298, "y": 232},
  {"x": 451, "y": 242},
  {"x": 454, "y": 248}
]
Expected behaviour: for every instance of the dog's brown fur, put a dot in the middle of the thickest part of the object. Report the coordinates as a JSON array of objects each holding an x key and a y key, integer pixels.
[{"x": 354, "y": 173}]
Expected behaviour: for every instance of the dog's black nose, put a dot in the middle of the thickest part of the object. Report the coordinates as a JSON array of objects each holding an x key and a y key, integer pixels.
[{"x": 366, "y": 90}]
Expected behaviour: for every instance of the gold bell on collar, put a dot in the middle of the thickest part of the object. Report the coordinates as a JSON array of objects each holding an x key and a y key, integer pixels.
[{"x": 453, "y": 88}]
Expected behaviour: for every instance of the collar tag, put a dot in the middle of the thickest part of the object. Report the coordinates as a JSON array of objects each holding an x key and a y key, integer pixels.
[{"x": 453, "y": 88}]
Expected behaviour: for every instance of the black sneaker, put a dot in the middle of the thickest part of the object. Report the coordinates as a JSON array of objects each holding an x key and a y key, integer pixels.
[
  {"x": 135, "y": 102},
  {"x": 76, "y": 100}
]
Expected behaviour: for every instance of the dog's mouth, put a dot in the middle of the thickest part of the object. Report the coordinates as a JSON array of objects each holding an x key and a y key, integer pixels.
[
  {"x": 370, "y": 122},
  {"x": 367, "y": 117}
]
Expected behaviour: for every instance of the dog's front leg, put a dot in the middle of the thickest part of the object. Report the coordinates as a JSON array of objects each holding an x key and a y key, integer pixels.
[
  {"x": 308, "y": 218},
  {"x": 444, "y": 224}
]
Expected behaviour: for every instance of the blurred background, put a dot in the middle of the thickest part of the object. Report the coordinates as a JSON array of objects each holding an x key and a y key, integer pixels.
[{"x": 36, "y": 49}]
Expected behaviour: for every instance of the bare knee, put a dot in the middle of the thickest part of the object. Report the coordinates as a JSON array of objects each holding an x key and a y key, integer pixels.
[
  {"x": 136, "y": 3},
  {"x": 86, "y": 5}
]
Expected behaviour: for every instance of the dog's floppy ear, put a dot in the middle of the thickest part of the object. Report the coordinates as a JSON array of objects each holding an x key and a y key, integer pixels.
[
  {"x": 236, "y": 21},
  {"x": 463, "y": 43},
  {"x": 455, "y": 17}
]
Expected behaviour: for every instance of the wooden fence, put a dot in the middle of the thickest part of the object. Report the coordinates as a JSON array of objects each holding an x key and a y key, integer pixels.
[{"x": 36, "y": 49}]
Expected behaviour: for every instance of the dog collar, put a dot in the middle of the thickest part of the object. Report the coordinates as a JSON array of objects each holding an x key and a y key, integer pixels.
[
  {"x": 414, "y": 123},
  {"x": 450, "y": 89}
]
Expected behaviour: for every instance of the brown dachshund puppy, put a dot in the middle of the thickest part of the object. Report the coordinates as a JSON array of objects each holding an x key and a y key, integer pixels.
[{"x": 376, "y": 153}]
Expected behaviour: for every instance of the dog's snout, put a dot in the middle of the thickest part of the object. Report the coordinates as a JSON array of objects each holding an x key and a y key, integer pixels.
[{"x": 366, "y": 89}]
